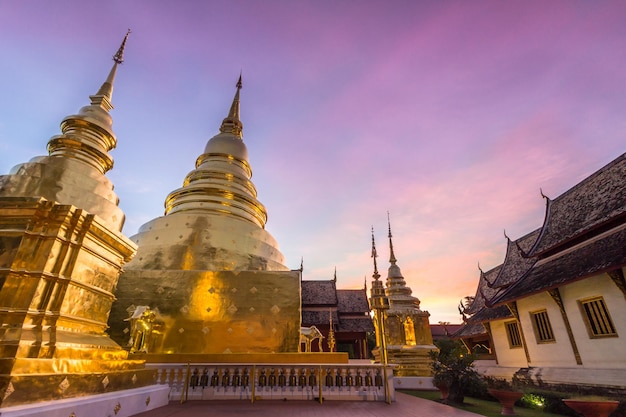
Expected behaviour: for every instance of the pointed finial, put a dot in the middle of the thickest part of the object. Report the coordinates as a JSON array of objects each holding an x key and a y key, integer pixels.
[
  {"x": 365, "y": 283},
  {"x": 104, "y": 95},
  {"x": 335, "y": 277},
  {"x": 479, "y": 268},
  {"x": 392, "y": 256},
  {"x": 506, "y": 237},
  {"x": 119, "y": 55},
  {"x": 542, "y": 194},
  {"x": 374, "y": 255},
  {"x": 302, "y": 264},
  {"x": 232, "y": 123}
]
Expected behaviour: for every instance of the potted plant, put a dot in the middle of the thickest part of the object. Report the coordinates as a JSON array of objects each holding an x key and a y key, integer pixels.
[
  {"x": 592, "y": 406},
  {"x": 505, "y": 392},
  {"x": 453, "y": 370}
]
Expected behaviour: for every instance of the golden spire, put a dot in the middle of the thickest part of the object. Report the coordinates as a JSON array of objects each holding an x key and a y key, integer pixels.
[
  {"x": 376, "y": 275},
  {"x": 103, "y": 97},
  {"x": 88, "y": 136},
  {"x": 397, "y": 290},
  {"x": 232, "y": 123},
  {"x": 331, "y": 333},
  {"x": 392, "y": 257}
]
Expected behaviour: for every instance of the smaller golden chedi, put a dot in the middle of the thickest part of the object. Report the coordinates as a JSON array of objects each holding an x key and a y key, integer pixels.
[{"x": 407, "y": 334}]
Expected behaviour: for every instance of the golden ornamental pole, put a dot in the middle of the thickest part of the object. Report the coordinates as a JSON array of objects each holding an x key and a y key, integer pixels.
[{"x": 380, "y": 304}]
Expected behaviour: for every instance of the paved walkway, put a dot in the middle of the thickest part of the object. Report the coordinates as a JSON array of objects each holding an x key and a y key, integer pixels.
[{"x": 404, "y": 406}]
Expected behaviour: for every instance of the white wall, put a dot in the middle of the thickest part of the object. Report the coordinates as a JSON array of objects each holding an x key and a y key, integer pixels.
[
  {"x": 514, "y": 357},
  {"x": 607, "y": 352},
  {"x": 557, "y": 353}
]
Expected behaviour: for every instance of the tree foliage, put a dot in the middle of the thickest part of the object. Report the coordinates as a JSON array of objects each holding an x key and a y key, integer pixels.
[{"x": 453, "y": 368}]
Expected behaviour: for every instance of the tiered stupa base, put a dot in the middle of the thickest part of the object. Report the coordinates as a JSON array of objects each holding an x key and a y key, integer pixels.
[{"x": 35, "y": 380}]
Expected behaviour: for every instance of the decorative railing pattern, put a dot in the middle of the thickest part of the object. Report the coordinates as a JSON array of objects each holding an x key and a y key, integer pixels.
[{"x": 252, "y": 382}]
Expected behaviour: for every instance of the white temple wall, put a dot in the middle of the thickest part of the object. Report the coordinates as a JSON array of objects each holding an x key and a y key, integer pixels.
[
  {"x": 599, "y": 352},
  {"x": 507, "y": 356},
  {"x": 554, "y": 353}
]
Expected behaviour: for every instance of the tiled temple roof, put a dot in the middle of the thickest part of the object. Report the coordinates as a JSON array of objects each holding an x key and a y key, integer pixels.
[
  {"x": 516, "y": 264},
  {"x": 470, "y": 329},
  {"x": 352, "y": 301},
  {"x": 319, "y": 293},
  {"x": 594, "y": 257},
  {"x": 596, "y": 200},
  {"x": 310, "y": 318},
  {"x": 355, "y": 324},
  {"x": 484, "y": 292}
]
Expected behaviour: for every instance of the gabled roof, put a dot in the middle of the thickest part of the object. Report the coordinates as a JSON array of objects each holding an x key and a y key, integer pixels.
[
  {"x": 603, "y": 254},
  {"x": 354, "y": 324},
  {"x": 352, "y": 301},
  {"x": 320, "y": 293},
  {"x": 318, "y": 318},
  {"x": 484, "y": 292},
  {"x": 594, "y": 201},
  {"x": 469, "y": 330},
  {"x": 516, "y": 263}
]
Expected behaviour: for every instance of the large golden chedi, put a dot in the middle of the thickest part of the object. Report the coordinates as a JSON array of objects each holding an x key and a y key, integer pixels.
[
  {"x": 61, "y": 252},
  {"x": 211, "y": 276}
]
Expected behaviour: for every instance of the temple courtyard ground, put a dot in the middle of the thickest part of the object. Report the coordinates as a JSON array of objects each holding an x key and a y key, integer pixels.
[{"x": 404, "y": 406}]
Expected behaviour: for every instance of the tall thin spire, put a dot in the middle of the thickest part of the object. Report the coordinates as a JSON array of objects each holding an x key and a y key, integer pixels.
[
  {"x": 374, "y": 255},
  {"x": 103, "y": 97},
  {"x": 392, "y": 256},
  {"x": 232, "y": 123}
]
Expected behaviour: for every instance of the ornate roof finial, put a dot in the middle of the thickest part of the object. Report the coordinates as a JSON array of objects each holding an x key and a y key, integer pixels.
[
  {"x": 119, "y": 55},
  {"x": 374, "y": 255},
  {"x": 103, "y": 97},
  {"x": 542, "y": 194},
  {"x": 479, "y": 268},
  {"x": 335, "y": 277},
  {"x": 392, "y": 256},
  {"x": 232, "y": 123},
  {"x": 506, "y": 237},
  {"x": 302, "y": 264}
]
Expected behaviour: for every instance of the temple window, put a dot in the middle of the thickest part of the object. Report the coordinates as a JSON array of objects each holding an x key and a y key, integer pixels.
[
  {"x": 542, "y": 327},
  {"x": 597, "y": 318},
  {"x": 513, "y": 334}
]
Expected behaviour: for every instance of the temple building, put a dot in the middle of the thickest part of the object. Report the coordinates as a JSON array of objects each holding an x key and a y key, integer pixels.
[
  {"x": 405, "y": 327},
  {"x": 346, "y": 311},
  {"x": 552, "y": 312},
  {"x": 61, "y": 252}
]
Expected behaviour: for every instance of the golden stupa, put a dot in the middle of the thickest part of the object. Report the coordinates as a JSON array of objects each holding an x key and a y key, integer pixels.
[
  {"x": 61, "y": 252},
  {"x": 208, "y": 278},
  {"x": 402, "y": 328}
]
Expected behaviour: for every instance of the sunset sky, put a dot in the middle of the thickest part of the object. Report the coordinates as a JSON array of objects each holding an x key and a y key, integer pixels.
[{"x": 451, "y": 115}]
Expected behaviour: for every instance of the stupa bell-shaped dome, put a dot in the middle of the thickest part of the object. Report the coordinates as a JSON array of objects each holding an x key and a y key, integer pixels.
[{"x": 214, "y": 221}]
